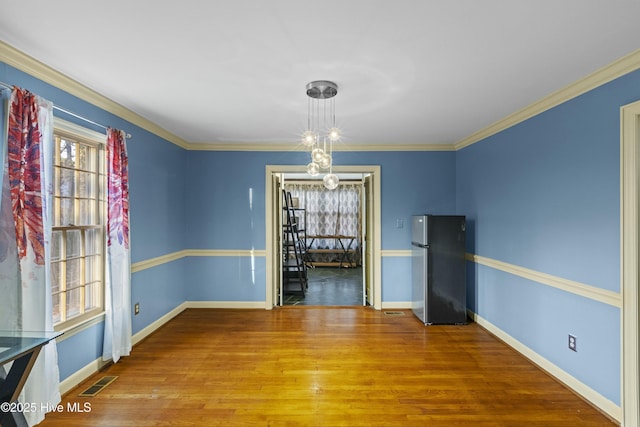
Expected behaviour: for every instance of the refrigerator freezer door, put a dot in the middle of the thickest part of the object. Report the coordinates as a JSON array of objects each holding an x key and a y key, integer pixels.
[{"x": 419, "y": 230}]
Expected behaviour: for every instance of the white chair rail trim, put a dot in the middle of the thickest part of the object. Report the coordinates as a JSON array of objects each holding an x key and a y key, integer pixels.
[
  {"x": 163, "y": 259},
  {"x": 587, "y": 291},
  {"x": 584, "y": 290}
]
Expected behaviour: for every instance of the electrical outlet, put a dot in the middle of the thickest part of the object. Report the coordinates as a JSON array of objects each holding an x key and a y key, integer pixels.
[
  {"x": 136, "y": 308},
  {"x": 573, "y": 343}
]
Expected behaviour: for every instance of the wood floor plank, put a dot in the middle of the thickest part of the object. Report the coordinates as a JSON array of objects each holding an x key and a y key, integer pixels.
[{"x": 324, "y": 367}]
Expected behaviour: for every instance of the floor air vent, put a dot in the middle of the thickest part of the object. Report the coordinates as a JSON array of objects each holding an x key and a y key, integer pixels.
[
  {"x": 394, "y": 313},
  {"x": 98, "y": 386}
]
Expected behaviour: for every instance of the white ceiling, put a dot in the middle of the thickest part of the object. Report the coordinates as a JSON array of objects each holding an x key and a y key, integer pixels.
[{"x": 408, "y": 71}]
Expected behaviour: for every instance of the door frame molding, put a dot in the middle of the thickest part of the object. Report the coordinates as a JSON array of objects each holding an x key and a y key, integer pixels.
[
  {"x": 271, "y": 261},
  {"x": 630, "y": 251}
]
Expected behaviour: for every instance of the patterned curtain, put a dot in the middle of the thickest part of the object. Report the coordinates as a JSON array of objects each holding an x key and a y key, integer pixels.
[
  {"x": 117, "y": 330},
  {"x": 330, "y": 212},
  {"x": 25, "y": 235}
]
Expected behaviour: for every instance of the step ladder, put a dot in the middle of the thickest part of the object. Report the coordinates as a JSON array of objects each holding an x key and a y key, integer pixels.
[{"x": 294, "y": 269}]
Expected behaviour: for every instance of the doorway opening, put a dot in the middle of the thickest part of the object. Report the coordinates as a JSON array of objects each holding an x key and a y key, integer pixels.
[
  {"x": 338, "y": 273},
  {"x": 328, "y": 227}
]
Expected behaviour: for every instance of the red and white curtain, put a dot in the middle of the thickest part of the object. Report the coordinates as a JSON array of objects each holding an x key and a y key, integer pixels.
[
  {"x": 25, "y": 235},
  {"x": 117, "y": 330}
]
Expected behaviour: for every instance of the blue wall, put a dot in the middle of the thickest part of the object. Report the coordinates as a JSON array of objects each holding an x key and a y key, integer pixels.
[
  {"x": 545, "y": 195},
  {"x": 226, "y": 200},
  {"x": 226, "y": 205}
]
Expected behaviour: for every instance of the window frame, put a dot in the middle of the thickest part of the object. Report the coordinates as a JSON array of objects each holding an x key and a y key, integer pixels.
[{"x": 72, "y": 131}]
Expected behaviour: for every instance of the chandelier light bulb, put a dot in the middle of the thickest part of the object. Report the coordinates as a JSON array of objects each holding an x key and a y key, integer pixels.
[
  {"x": 331, "y": 181},
  {"x": 325, "y": 162},
  {"x": 308, "y": 138},
  {"x": 313, "y": 169},
  {"x": 334, "y": 134},
  {"x": 317, "y": 154}
]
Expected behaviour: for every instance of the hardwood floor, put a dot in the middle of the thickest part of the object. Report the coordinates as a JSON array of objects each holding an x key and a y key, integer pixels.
[{"x": 323, "y": 367}]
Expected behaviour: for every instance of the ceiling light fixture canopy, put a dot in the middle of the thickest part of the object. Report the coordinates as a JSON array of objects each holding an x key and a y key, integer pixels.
[{"x": 321, "y": 130}]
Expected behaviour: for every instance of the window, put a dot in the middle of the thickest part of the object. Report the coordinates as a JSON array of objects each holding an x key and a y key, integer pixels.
[{"x": 78, "y": 220}]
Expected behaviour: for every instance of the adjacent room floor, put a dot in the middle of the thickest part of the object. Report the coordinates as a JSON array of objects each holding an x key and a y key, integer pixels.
[{"x": 328, "y": 286}]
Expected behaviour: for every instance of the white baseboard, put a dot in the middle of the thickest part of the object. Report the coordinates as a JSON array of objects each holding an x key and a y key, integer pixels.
[
  {"x": 73, "y": 380},
  {"x": 85, "y": 372},
  {"x": 605, "y": 405},
  {"x": 225, "y": 304},
  {"x": 404, "y": 305},
  {"x": 145, "y": 332}
]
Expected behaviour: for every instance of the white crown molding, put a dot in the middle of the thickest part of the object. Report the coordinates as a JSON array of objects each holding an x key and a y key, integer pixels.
[
  {"x": 622, "y": 66},
  {"x": 30, "y": 65},
  {"x": 209, "y": 146},
  {"x": 597, "y": 294},
  {"x": 205, "y": 146},
  {"x": 37, "y": 69},
  {"x": 395, "y": 147}
]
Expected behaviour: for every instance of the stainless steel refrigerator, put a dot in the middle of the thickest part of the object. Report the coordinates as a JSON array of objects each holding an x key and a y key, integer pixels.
[{"x": 438, "y": 270}]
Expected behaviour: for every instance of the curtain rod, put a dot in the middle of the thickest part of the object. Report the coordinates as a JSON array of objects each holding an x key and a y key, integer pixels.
[{"x": 4, "y": 85}]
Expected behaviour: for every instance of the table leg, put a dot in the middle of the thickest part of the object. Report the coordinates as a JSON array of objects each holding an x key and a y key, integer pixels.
[
  {"x": 345, "y": 251},
  {"x": 11, "y": 386}
]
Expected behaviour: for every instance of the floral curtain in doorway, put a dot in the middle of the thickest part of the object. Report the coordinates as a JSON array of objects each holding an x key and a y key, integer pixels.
[
  {"x": 117, "y": 330},
  {"x": 25, "y": 235},
  {"x": 329, "y": 212}
]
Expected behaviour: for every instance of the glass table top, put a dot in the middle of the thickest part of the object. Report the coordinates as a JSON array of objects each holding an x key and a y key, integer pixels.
[{"x": 14, "y": 344}]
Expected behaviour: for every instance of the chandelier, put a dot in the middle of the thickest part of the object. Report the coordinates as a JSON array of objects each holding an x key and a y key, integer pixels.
[{"x": 321, "y": 130}]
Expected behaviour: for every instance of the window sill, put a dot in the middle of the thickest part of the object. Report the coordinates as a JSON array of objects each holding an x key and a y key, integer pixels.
[{"x": 76, "y": 329}]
